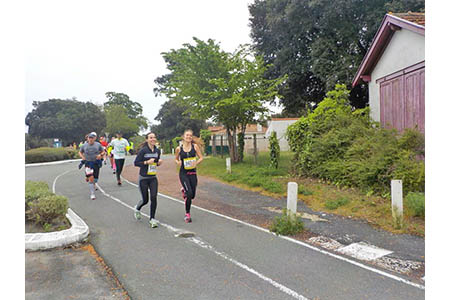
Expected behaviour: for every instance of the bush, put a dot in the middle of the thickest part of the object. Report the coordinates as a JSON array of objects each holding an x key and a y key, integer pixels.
[
  {"x": 304, "y": 191},
  {"x": 47, "y": 154},
  {"x": 48, "y": 209},
  {"x": 274, "y": 147},
  {"x": 286, "y": 225},
  {"x": 33, "y": 191},
  {"x": 347, "y": 148},
  {"x": 416, "y": 202}
]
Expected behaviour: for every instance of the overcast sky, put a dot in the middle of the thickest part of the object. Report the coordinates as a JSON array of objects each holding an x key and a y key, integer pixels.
[{"x": 84, "y": 49}]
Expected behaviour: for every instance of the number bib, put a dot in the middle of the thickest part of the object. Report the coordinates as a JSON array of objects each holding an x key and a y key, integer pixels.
[
  {"x": 189, "y": 163},
  {"x": 151, "y": 169},
  {"x": 89, "y": 171}
]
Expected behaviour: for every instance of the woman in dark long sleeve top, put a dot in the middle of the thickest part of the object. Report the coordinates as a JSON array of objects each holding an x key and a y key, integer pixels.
[{"x": 147, "y": 160}]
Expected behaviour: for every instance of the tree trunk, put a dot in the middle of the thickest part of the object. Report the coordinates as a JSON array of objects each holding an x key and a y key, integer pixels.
[
  {"x": 232, "y": 144},
  {"x": 213, "y": 150}
]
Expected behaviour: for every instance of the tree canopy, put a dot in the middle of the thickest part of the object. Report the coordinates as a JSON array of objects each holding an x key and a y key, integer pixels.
[
  {"x": 132, "y": 109},
  {"x": 228, "y": 88},
  {"x": 117, "y": 119},
  {"x": 174, "y": 119},
  {"x": 69, "y": 120},
  {"x": 318, "y": 44}
]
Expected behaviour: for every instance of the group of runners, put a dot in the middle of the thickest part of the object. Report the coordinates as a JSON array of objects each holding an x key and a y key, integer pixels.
[{"x": 187, "y": 156}]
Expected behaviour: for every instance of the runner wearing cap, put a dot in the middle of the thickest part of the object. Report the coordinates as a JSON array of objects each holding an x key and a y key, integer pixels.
[
  {"x": 119, "y": 150},
  {"x": 91, "y": 153}
]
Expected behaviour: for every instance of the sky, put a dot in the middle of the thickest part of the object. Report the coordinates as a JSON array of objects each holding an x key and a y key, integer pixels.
[{"x": 84, "y": 49}]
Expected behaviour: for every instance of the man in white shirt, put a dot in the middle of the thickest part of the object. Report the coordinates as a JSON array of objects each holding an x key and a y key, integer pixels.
[{"x": 119, "y": 149}]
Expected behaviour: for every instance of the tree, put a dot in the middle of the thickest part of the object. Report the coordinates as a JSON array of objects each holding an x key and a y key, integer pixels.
[
  {"x": 117, "y": 119},
  {"x": 318, "y": 44},
  {"x": 69, "y": 120},
  {"x": 132, "y": 109},
  {"x": 228, "y": 88},
  {"x": 174, "y": 119}
]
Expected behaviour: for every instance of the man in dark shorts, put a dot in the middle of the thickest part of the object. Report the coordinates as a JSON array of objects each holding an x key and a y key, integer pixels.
[{"x": 91, "y": 153}]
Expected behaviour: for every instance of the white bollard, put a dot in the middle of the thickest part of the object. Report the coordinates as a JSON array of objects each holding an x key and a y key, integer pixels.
[
  {"x": 292, "y": 191},
  {"x": 228, "y": 164},
  {"x": 162, "y": 151},
  {"x": 173, "y": 151},
  {"x": 397, "y": 202}
]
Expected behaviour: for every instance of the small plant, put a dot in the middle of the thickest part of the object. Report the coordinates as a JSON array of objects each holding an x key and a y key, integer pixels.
[
  {"x": 304, "y": 191},
  {"x": 333, "y": 204},
  {"x": 274, "y": 147},
  {"x": 48, "y": 209},
  {"x": 47, "y": 227},
  {"x": 286, "y": 224},
  {"x": 416, "y": 203}
]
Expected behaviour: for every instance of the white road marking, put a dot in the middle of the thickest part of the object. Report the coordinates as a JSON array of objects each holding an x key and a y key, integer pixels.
[
  {"x": 54, "y": 181},
  {"x": 363, "y": 251},
  {"x": 207, "y": 246},
  {"x": 422, "y": 287}
]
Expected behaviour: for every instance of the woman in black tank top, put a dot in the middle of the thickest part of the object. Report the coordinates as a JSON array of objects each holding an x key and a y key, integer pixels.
[{"x": 186, "y": 157}]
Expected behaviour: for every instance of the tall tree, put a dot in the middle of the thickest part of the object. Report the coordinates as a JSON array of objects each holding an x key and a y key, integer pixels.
[
  {"x": 69, "y": 120},
  {"x": 317, "y": 43},
  {"x": 133, "y": 109},
  {"x": 228, "y": 88},
  {"x": 174, "y": 118},
  {"x": 117, "y": 119}
]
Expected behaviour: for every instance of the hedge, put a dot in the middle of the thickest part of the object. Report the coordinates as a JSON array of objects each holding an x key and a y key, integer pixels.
[
  {"x": 47, "y": 154},
  {"x": 346, "y": 147}
]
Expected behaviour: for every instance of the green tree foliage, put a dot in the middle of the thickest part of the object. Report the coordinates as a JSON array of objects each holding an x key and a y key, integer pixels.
[
  {"x": 117, "y": 119},
  {"x": 174, "y": 119},
  {"x": 205, "y": 135},
  {"x": 318, "y": 44},
  {"x": 274, "y": 147},
  {"x": 344, "y": 146},
  {"x": 69, "y": 120},
  {"x": 132, "y": 109},
  {"x": 228, "y": 88}
]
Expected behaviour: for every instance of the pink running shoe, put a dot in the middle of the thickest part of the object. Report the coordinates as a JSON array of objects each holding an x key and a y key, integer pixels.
[{"x": 187, "y": 218}]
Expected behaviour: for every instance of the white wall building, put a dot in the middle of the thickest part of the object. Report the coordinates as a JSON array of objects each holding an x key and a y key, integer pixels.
[{"x": 280, "y": 125}]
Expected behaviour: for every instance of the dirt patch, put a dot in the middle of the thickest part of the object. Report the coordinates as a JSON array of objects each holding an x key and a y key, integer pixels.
[{"x": 32, "y": 227}]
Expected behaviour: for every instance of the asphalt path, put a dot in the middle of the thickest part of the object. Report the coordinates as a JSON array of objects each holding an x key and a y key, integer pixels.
[{"x": 215, "y": 258}]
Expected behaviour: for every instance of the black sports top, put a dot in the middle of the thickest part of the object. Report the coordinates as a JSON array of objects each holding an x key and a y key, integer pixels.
[{"x": 187, "y": 158}]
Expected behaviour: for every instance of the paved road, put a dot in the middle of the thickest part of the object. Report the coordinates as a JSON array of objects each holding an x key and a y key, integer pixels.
[{"x": 224, "y": 260}]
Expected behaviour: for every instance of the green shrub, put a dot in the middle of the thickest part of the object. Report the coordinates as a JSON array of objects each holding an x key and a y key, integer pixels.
[
  {"x": 416, "y": 202},
  {"x": 273, "y": 187},
  {"x": 229, "y": 177},
  {"x": 47, "y": 154},
  {"x": 274, "y": 147},
  {"x": 48, "y": 209},
  {"x": 333, "y": 204},
  {"x": 33, "y": 191},
  {"x": 347, "y": 148},
  {"x": 286, "y": 225},
  {"x": 175, "y": 141}
]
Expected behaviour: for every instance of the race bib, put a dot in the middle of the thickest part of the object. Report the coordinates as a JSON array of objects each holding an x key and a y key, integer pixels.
[
  {"x": 151, "y": 169},
  {"x": 189, "y": 163},
  {"x": 89, "y": 171}
]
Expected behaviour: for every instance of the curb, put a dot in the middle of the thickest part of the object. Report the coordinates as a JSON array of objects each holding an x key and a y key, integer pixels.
[
  {"x": 52, "y": 162},
  {"x": 48, "y": 240}
]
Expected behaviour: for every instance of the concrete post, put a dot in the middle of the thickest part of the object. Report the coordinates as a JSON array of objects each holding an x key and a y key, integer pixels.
[
  {"x": 292, "y": 191},
  {"x": 397, "y": 202},
  {"x": 228, "y": 164},
  {"x": 173, "y": 151}
]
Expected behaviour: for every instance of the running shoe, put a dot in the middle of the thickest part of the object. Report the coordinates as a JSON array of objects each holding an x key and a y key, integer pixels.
[
  {"x": 187, "y": 218},
  {"x": 153, "y": 223},
  {"x": 92, "y": 196},
  {"x": 119, "y": 182},
  {"x": 137, "y": 214}
]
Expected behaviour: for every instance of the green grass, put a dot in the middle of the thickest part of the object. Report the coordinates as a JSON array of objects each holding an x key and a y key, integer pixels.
[{"x": 259, "y": 176}]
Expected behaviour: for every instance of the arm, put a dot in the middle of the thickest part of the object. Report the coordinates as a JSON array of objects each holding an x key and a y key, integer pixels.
[
  {"x": 177, "y": 156},
  {"x": 199, "y": 154},
  {"x": 81, "y": 153},
  {"x": 139, "y": 160}
]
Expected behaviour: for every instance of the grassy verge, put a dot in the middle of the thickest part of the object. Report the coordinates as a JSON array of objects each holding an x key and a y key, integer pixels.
[{"x": 318, "y": 195}]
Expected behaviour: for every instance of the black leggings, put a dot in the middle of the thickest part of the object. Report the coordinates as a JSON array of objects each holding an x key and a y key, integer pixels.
[
  {"x": 189, "y": 183},
  {"x": 119, "y": 167},
  {"x": 144, "y": 185}
]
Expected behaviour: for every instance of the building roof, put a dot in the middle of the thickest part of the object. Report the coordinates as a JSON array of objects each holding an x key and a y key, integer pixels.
[
  {"x": 390, "y": 24},
  {"x": 285, "y": 119},
  {"x": 250, "y": 129}
]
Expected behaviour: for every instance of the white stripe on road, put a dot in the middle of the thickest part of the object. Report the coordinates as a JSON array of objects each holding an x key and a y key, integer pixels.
[
  {"x": 54, "y": 181},
  {"x": 207, "y": 246},
  {"x": 422, "y": 287}
]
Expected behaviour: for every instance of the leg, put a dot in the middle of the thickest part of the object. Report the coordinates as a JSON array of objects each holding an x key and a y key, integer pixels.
[
  {"x": 153, "y": 196},
  {"x": 185, "y": 183},
  {"x": 143, "y": 187},
  {"x": 119, "y": 167}
]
